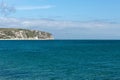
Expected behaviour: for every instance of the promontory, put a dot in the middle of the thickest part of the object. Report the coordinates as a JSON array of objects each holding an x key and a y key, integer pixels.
[{"x": 24, "y": 34}]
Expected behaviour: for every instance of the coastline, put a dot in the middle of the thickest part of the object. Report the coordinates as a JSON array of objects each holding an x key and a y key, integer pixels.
[
  {"x": 24, "y": 34},
  {"x": 28, "y": 39}
]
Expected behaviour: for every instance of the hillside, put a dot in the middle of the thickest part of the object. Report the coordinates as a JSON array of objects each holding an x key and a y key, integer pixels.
[{"x": 24, "y": 34}]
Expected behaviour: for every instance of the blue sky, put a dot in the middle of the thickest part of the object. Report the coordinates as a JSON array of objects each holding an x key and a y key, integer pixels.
[
  {"x": 69, "y": 9},
  {"x": 67, "y": 19}
]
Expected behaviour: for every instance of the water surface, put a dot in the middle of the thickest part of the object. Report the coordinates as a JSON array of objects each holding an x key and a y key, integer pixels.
[{"x": 60, "y": 60}]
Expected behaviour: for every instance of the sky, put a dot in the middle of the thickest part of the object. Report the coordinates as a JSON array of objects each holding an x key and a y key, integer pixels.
[{"x": 65, "y": 19}]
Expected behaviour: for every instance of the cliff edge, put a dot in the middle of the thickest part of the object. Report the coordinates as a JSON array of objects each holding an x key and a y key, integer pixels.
[{"x": 24, "y": 34}]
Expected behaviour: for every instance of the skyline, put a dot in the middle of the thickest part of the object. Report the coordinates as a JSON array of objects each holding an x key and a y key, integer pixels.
[{"x": 68, "y": 19}]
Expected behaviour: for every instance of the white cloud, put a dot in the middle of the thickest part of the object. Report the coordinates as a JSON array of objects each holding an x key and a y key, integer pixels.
[
  {"x": 55, "y": 23},
  {"x": 34, "y": 7},
  {"x": 66, "y": 29}
]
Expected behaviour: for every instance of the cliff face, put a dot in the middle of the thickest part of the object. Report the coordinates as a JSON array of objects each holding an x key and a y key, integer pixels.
[{"x": 24, "y": 34}]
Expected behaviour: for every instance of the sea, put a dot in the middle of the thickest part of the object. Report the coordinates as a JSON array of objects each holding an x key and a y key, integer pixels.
[{"x": 60, "y": 60}]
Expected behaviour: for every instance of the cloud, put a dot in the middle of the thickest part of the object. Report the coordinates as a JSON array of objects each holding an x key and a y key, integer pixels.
[
  {"x": 34, "y": 7},
  {"x": 66, "y": 29},
  {"x": 51, "y": 23}
]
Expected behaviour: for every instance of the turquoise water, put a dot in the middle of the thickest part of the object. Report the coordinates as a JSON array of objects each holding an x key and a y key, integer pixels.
[{"x": 60, "y": 60}]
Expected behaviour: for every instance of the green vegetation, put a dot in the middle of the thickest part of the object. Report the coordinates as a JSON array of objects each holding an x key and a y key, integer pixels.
[{"x": 8, "y": 33}]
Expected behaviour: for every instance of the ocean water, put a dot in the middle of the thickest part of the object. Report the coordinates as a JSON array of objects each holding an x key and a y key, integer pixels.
[{"x": 60, "y": 60}]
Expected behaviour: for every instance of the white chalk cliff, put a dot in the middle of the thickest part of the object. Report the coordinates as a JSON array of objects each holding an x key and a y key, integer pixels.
[{"x": 24, "y": 34}]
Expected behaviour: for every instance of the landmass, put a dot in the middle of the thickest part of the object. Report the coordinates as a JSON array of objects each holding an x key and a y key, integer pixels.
[{"x": 24, "y": 34}]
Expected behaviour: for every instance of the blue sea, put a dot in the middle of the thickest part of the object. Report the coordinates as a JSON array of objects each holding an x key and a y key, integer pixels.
[{"x": 60, "y": 60}]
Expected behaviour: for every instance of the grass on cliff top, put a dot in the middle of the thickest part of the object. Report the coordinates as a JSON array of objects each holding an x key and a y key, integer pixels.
[{"x": 9, "y": 29}]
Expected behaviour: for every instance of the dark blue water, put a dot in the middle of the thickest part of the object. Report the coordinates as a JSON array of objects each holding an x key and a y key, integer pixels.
[{"x": 60, "y": 60}]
